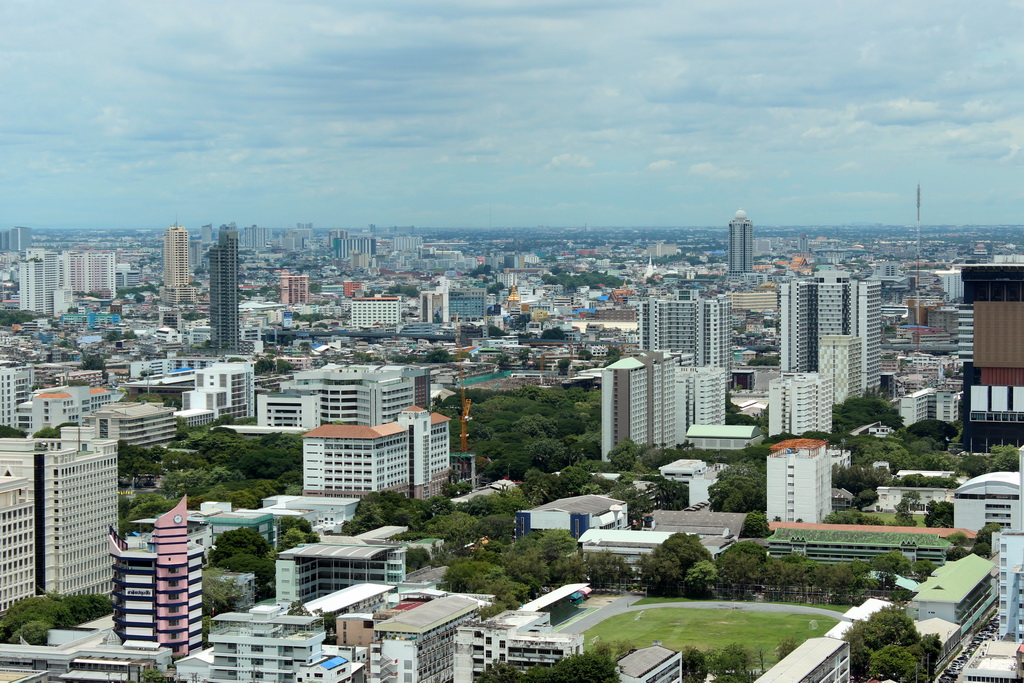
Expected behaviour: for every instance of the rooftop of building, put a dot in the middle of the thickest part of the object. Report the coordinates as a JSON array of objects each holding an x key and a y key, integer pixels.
[
  {"x": 722, "y": 432},
  {"x": 429, "y": 615},
  {"x": 931, "y": 531},
  {"x": 699, "y": 521},
  {"x": 347, "y": 597},
  {"x": 639, "y": 662},
  {"x": 133, "y": 410},
  {"x": 331, "y": 431},
  {"x": 999, "y": 479},
  {"x": 852, "y": 535},
  {"x": 954, "y": 581},
  {"x": 554, "y": 596},
  {"x": 797, "y": 445},
  {"x": 802, "y": 661},
  {"x": 329, "y": 550},
  {"x": 590, "y": 504}
]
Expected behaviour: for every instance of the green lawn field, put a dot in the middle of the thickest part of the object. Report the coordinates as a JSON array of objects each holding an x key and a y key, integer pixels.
[
  {"x": 708, "y": 628},
  {"x": 889, "y": 518},
  {"x": 655, "y": 601}
]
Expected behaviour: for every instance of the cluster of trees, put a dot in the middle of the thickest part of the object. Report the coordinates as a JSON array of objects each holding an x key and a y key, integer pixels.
[
  {"x": 31, "y": 618},
  {"x": 593, "y": 667},
  {"x": 572, "y": 282},
  {"x": 888, "y": 646}
]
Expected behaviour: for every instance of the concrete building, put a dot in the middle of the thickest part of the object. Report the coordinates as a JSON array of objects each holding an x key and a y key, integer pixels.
[
  {"x": 41, "y": 286},
  {"x": 319, "y": 569},
  {"x": 52, "y": 407},
  {"x": 763, "y": 298},
  {"x": 266, "y": 643},
  {"x": 469, "y": 303},
  {"x": 434, "y": 306},
  {"x": 841, "y": 360},
  {"x": 140, "y": 424},
  {"x": 177, "y": 289},
  {"x": 224, "y": 389},
  {"x": 364, "y": 395},
  {"x": 522, "y": 640},
  {"x": 17, "y": 528},
  {"x": 723, "y": 437},
  {"x": 700, "y": 397},
  {"x": 224, "y": 325},
  {"x": 891, "y": 496},
  {"x": 688, "y": 324},
  {"x": 654, "y": 664},
  {"x": 831, "y": 303},
  {"x": 991, "y": 324},
  {"x": 741, "y": 244},
  {"x": 15, "y": 389},
  {"x": 419, "y": 644},
  {"x": 952, "y": 284},
  {"x": 1010, "y": 546},
  {"x": 960, "y": 592},
  {"x": 90, "y": 271},
  {"x": 638, "y": 401},
  {"x": 73, "y": 485},
  {"x": 158, "y": 585},
  {"x": 576, "y": 515},
  {"x": 799, "y": 403},
  {"x": 992, "y": 497},
  {"x": 411, "y": 455},
  {"x": 848, "y": 542},
  {"x": 368, "y": 311},
  {"x": 294, "y": 289},
  {"x": 816, "y": 660},
  {"x": 694, "y": 473},
  {"x": 930, "y": 404},
  {"x": 799, "y": 481}
]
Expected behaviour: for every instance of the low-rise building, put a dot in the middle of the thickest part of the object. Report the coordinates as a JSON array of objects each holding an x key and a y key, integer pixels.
[
  {"x": 419, "y": 644},
  {"x": 992, "y": 497},
  {"x": 816, "y": 660},
  {"x": 654, "y": 664},
  {"x": 319, "y": 569},
  {"x": 59, "y": 405},
  {"x": 522, "y": 640},
  {"x": 140, "y": 424},
  {"x": 694, "y": 473},
  {"x": 723, "y": 437},
  {"x": 576, "y": 515},
  {"x": 960, "y": 592},
  {"x": 891, "y": 496},
  {"x": 848, "y": 542},
  {"x": 930, "y": 404}
]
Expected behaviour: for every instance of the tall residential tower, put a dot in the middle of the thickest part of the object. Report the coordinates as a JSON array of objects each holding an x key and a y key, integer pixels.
[
  {"x": 741, "y": 244},
  {"x": 177, "y": 275},
  {"x": 224, "y": 291}
]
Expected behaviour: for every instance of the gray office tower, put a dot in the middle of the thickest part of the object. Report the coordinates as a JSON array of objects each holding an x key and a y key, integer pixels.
[
  {"x": 741, "y": 244},
  {"x": 223, "y": 258}
]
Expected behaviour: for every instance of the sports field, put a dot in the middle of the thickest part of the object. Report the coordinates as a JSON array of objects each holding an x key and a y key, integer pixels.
[{"x": 708, "y": 628}]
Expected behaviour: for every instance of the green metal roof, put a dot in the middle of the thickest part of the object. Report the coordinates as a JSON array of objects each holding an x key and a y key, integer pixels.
[
  {"x": 625, "y": 364},
  {"x": 850, "y": 538},
  {"x": 722, "y": 432},
  {"x": 954, "y": 581}
]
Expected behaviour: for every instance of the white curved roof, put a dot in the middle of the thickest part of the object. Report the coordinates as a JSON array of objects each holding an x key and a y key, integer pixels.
[
  {"x": 741, "y": 214},
  {"x": 993, "y": 479}
]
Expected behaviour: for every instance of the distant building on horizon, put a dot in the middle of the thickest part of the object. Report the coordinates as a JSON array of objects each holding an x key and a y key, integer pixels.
[
  {"x": 224, "y": 328},
  {"x": 741, "y": 244},
  {"x": 177, "y": 275}
]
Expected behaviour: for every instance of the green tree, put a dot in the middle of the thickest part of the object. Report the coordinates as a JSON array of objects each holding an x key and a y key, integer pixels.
[
  {"x": 93, "y": 362},
  {"x": 593, "y": 667},
  {"x": 665, "y": 568},
  {"x": 939, "y": 514},
  {"x": 605, "y": 568},
  {"x": 242, "y": 541},
  {"x": 893, "y": 662},
  {"x": 785, "y": 646},
  {"x": 905, "y": 508},
  {"x": 755, "y": 525},
  {"x": 701, "y": 577},
  {"x": 220, "y": 593}
]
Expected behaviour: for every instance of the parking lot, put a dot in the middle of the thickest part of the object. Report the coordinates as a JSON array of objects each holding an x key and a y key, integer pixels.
[{"x": 988, "y": 632}]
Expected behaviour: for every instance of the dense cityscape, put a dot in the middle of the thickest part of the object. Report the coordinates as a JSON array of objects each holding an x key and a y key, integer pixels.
[{"x": 243, "y": 453}]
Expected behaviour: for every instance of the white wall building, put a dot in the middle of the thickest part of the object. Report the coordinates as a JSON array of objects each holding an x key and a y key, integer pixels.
[
  {"x": 841, "y": 360},
  {"x": 799, "y": 403},
  {"x": 90, "y": 271},
  {"x": 816, "y": 660},
  {"x": 17, "y": 528},
  {"x": 15, "y": 389},
  {"x": 74, "y": 485},
  {"x": 688, "y": 324},
  {"x": 700, "y": 397},
  {"x": 1010, "y": 545},
  {"x": 377, "y": 310},
  {"x": 522, "y": 640},
  {"x": 992, "y": 497},
  {"x": 693, "y": 473},
  {"x": 41, "y": 284},
  {"x": 224, "y": 388},
  {"x": 654, "y": 664},
  {"x": 411, "y": 455},
  {"x": 638, "y": 401},
  {"x": 419, "y": 644},
  {"x": 799, "y": 481},
  {"x": 55, "y": 406},
  {"x": 952, "y": 284},
  {"x": 930, "y": 404},
  {"x": 830, "y": 303}
]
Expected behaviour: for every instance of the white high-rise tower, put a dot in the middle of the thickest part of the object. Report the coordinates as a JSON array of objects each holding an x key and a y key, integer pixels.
[{"x": 741, "y": 244}]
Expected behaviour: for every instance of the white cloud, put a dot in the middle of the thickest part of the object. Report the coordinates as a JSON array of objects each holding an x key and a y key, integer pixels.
[
  {"x": 712, "y": 172},
  {"x": 569, "y": 161},
  {"x": 661, "y": 165}
]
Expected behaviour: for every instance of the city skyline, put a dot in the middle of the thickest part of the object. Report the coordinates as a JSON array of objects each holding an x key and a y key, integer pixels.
[{"x": 560, "y": 113}]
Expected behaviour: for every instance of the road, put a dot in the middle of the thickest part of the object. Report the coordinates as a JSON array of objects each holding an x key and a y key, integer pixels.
[{"x": 626, "y": 604}]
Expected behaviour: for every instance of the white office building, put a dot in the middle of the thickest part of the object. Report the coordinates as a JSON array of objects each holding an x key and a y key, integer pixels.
[
  {"x": 799, "y": 481},
  {"x": 17, "y": 528},
  {"x": 700, "y": 397},
  {"x": 73, "y": 481},
  {"x": 831, "y": 303},
  {"x": 992, "y": 497},
  {"x": 41, "y": 283},
  {"x": 522, "y": 640},
  {"x": 368, "y": 311},
  {"x": 638, "y": 401},
  {"x": 930, "y": 404},
  {"x": 688, "y": 324},
  {"x": 58, "y": 405},
  {"x": 800, "y": 403},
  {"x": 841, "y": 360},
  {"x": 224, "y": 389},
  {"x": 952, "y": 284}
]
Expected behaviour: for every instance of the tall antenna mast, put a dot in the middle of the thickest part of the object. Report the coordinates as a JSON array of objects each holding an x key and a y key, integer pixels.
[{"x": 917, "y": 278}]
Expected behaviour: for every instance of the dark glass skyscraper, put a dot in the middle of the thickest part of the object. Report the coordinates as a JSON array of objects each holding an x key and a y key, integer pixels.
[
  {"x": 991, "y": 329},
  {"x": 224, "y": 291}
]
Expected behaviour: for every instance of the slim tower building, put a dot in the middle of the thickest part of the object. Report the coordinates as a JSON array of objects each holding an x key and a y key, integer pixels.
[
  {"x": 741, "y": 244},
  {"x": 223, "y": 256},
  {"x": 638, "y": 401},
  {"x": 177, "y": 275},
  {"x": 688, "y": 324}
]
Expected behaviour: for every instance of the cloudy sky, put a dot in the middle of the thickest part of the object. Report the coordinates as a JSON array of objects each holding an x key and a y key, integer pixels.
[{"x": 510, "y": 112}]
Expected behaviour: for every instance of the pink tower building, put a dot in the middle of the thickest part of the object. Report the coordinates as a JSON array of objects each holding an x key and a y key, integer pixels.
[{"x": 158, "y": 584}]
